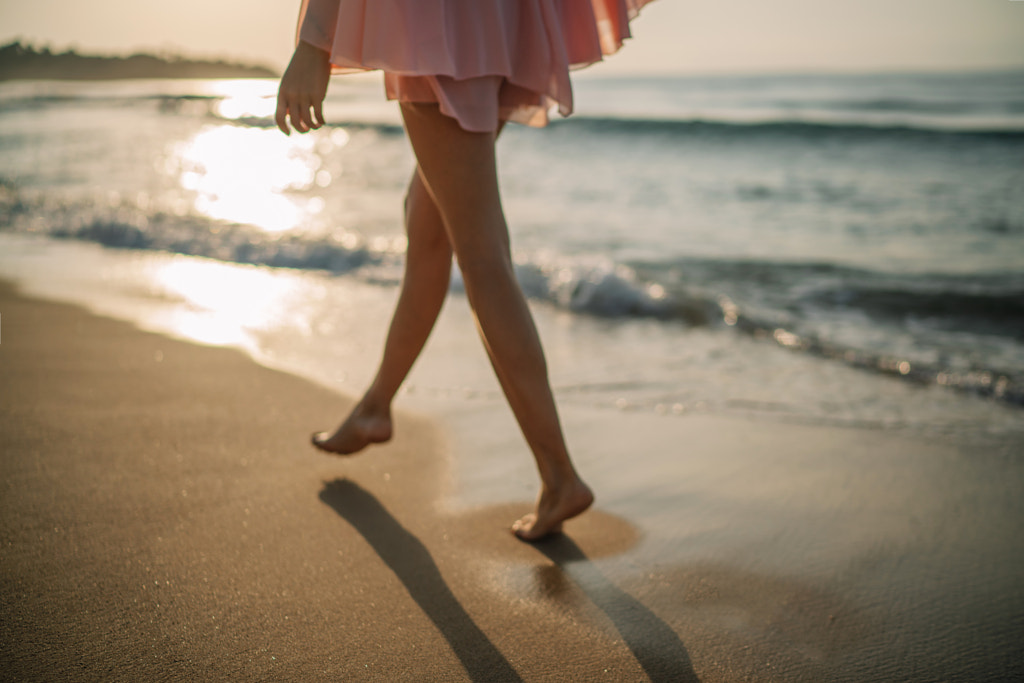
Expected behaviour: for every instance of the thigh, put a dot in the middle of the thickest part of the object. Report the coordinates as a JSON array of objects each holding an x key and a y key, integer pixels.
[
  {"x": 459, "y": 170},
  {"x": 473, "y": 102}
]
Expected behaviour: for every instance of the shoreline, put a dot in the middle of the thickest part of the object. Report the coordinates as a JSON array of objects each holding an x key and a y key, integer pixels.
[{"x": 164, "y": 516}]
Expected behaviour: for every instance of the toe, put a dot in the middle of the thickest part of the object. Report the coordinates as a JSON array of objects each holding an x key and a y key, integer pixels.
[
  {"x": 521, "y": 527},
  {"x": 319, "y": 440},
  {"x": 525, "y": 529}
]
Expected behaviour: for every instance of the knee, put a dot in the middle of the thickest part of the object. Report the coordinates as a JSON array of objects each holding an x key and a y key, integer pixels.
[
  {"x": 482, "y": 251},
  {"x": 417, "y": 197},
  {"x": 423, "y": 225},
  {"x": 485, "y": 267},
  {"x": 409, "y": 198},
  {"x": 409, "y": 203}
]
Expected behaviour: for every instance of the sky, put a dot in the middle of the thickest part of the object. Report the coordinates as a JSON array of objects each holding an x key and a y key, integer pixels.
[{"x": 671, "y": 36}]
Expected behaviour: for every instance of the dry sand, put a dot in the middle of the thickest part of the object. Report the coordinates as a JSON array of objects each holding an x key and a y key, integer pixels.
[{"x": 164, "y": 519}]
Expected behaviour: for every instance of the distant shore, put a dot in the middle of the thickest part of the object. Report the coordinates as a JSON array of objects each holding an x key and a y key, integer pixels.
[{"x": 25, "y": 62}]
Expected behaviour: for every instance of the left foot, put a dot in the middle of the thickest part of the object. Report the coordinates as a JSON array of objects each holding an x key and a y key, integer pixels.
[
  {"x": 553, "y": 508},
  {"x": 361, "y": 429}
]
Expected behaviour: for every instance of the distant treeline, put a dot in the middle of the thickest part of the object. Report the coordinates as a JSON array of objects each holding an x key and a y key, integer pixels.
[{"x": 24, "y": 62}]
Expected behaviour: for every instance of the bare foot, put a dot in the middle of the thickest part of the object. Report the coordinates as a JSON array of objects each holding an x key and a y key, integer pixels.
[
  {"x": 553, "y": 508},
  {"x": 361, "y": 429}
]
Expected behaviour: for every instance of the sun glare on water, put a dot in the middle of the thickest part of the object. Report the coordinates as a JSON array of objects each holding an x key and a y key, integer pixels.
[
  {"x": 223, "y": 304},
  {"x": 247, "y": 100},
  {"x": 245, "y": 175},
  {"x": 251, "y": 174}
]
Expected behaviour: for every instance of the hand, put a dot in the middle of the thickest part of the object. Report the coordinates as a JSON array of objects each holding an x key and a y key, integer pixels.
[{"x": 303, "y": 88}]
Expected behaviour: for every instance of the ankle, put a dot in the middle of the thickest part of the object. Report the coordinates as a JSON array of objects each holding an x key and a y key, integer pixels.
[
  {"x": 560, "y": 482},
  {"x": 374, "y": 405}
]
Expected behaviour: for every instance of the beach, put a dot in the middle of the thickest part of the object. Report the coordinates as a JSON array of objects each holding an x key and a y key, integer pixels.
[
  {"x": 782, "y": 316},
  {"x": 165, "y": 519}
]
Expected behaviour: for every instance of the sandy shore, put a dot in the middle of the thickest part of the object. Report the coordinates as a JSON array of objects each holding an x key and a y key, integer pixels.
[{"x": 164, "y": 519}]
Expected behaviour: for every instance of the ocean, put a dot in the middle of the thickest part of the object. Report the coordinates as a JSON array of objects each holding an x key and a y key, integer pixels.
[{"x": 826, "y": 249}]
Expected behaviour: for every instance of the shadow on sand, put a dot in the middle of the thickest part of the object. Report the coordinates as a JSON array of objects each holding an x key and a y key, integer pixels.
[
  {"x": 409, "y": 559},
  {"x": 657, "y": 648}
]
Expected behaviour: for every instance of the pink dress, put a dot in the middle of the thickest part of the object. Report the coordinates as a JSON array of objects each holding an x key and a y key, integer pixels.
[{"x": 482, "y": 61}]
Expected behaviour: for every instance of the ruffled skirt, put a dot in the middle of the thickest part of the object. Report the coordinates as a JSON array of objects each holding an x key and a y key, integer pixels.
[{"x": 482, "y": 61}]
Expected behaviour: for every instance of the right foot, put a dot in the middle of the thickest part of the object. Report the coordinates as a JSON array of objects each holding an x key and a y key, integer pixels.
[
  {"x": 553, "y": 508},
  {"x": 356, "y": 433}
]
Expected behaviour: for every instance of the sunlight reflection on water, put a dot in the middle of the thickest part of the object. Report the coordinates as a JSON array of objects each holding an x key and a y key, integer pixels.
[
  {"x": 236, "y": 87},
  {"x": 247, "y": 102},
  {"x": 224, "y": 303},
  {"x": 251, "y": 175}
]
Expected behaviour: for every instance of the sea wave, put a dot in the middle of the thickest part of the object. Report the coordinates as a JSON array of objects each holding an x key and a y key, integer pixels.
[
  {"x": 781, "y": 128},
  {"x": 796, "y": 127},
  {"x": 780, "y": 303},
  {"x": 808, "y": 119}
]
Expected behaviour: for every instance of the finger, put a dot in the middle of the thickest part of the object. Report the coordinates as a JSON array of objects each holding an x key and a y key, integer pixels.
[
  {"x": 295, "y": 117},
  {"x": 318, "y": 111},
  {"x": 297, "y": 122},
  {"x": 304, "y": 114},
  {"x": 281, "y": 116}
]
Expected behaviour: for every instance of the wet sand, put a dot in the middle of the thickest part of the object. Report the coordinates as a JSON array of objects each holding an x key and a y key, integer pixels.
[{"x": 163, "y": 518}]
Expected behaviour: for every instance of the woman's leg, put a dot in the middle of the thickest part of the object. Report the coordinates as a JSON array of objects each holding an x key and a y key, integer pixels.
[
  {"x": 428, "y": 264},
  {"x": 458, "y": 169},
  {"x": 424, "y": 287}
]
